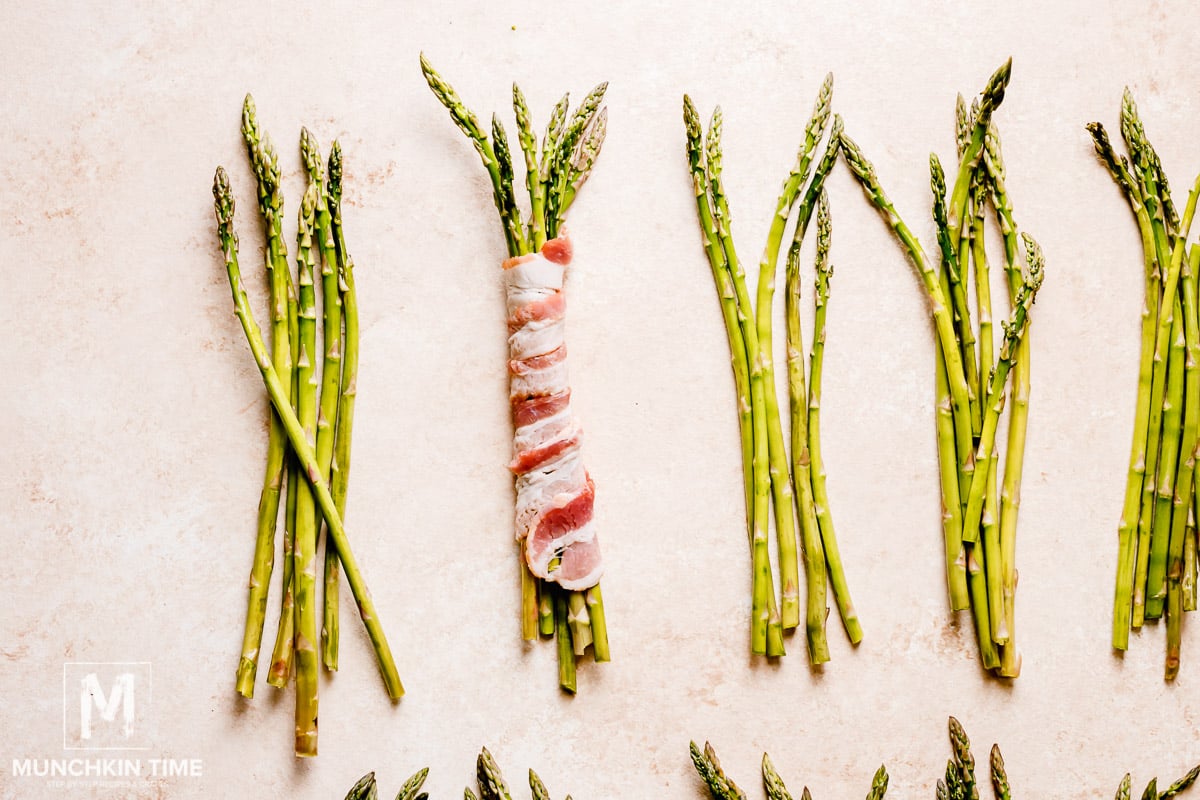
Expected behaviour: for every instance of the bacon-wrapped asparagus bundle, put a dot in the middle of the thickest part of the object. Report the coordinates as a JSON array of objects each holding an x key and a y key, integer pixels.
[{"x": 560, "y": 554}]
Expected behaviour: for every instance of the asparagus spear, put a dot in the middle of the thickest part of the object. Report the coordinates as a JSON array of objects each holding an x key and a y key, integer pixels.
[
  {"x": 491, "y": 781},
  {"x": 1010, "y": 495},
  {"x": 766, "y": 627},
  {"x": 999, "y": 775},
  {"x": 297, "y": 437},
  {"x": 270, "y": 202},
  {"x": 879, "y": 784},
  {"x": 411, "y": 790},
  {"x": 1189, "y": 558},
  {"x": 837, "y": 575},
  {"x": 743, "y": 344},
  {"x": 307, "y": 523},
  {"x": 468, "y": 123},
  {"x": 331, "y": 370},
  {"x": 956, "y": 557},
  {"x": 776, "y": 790},
  {"x": 364, "y": 789},
  {"x": 347, "y": 393}
]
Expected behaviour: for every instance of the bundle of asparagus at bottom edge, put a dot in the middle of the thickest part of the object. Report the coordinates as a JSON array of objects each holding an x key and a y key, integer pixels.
[
  {"x": 491, "y": 784},
  {"x": 768, "y": 475},
  {"x": 1156, "y": 562},
  {"x": 558, "y": 549},
  {"x": 959, "y": 782},
  {"x": 974, "y": 381},
  {"x": 308, "y": 445}
]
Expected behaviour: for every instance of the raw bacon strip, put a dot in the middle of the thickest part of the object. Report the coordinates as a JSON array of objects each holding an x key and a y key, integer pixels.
[{"x": 555, "y": 494}]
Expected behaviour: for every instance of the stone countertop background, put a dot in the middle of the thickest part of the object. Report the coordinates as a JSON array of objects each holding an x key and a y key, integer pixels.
[{"x": 134, "y": 421}]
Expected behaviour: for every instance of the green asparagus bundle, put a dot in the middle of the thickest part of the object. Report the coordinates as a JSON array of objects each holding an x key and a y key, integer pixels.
[
  {"x": 560, "y": 590},
  {"x": 1156, "y": 566},
  {"x": 771, "y": 479},
  {"x": 974, "y": 380},
  {"x": 308, "y": 447},
  {"x": 958, "y": 783}
]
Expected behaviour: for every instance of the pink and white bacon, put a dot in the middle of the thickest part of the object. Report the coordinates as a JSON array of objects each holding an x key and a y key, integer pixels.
[{"x": 555, "y": 494}]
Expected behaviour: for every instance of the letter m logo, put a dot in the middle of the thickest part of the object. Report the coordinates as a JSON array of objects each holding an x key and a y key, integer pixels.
[{"x": 105, "y": 706}]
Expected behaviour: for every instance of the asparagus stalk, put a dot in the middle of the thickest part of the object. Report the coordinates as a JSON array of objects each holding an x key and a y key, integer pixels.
[
  {"x": 1182, "y": 503},
  {"x": 347, "y": 393},
  {"x": 766, "y": 628},
  {"x": 331, "y": 372},
  {"x": 285, "y": 638},
  {"x": 270, "y": 201},
  {"x": 562, "y": 635},
  {"x": 297, "y": 437},
  {"x": 1189, "y": 559},
  {"x": 837, "y": 574},
  {"x": 595, "y": 603},
  {"x": 743, "y": 339},
  {"x": 1010, "y": 495},
  {"x": 956, "y": 556}
]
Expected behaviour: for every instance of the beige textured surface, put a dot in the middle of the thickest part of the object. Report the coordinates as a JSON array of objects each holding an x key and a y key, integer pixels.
[{"x": 133, "y": 423}]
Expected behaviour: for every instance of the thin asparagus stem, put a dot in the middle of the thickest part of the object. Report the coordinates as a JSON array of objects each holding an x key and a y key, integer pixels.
[
  {"x": 285, "y": 638},
  {"x": 810, "y": 531},
  {"x": 595, "y": 602},
  {"x": 307, "y": 523},
  {"x": 468, "y": 123},
  {"x": 837, "y": 575},
  {"x": 1178, "y": 556},
  {"x": 562, "y": 633},
  {"x": 956, "y": 556},
  {"x": 731, "y": 301},
  {"x": 331, "y": 372},
  {"x": 1018, "y": 418},
  {"x": 533, "y": 183},
  {"x": 1189, "y": 559},
  {"x": 270, "y": 202},
  {"x": 297, "y": 437},
  {"x": 762, "y": 396},
  {"x": 347, "y": 394}
]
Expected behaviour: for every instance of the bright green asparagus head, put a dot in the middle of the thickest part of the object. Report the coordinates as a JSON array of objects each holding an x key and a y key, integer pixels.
[
  {"x": 993, "y": 156},
  {"x": 961, "y": 745},
  {"x": 824, "y": 237},
  {"x": 463, "y": 117},
  {"x": 1117, "y": 166},
  {"x": 365, "y": 789},
  {"x": 1131, "y": 128},
  {"x": 501, "y": 148},
  {"x": 310, "y": 154},
  {"x": 962, "y": 124},
  {"x": 334, "y": 171},
  {"x": 1151, "y": 792},
  {"x": 937, "y": 184},
  {"x": 695, "y": 137},
  {"x": 772, "y": 782},
  {"x": 525, "y": 130},
  {"x": 1124, "y": 790},
  {"x": 1181, "y": 784},
  {"x": 999, "y": 775},
  {"x": 554, "y": 132},
  {"x": 879, "y": 784},
  {"x": 224, "y": 204},
  {"x": 712, "y": 144},
  {"x": 863, "y": 169},
  {"x": 537, "y": 788},
  {"x": 491, "y": 781},
  {"x": 411, "y": 788},
  {"x": 820, "y": 115},
  {"x": 993, "y": 94}
]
